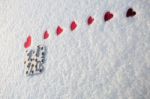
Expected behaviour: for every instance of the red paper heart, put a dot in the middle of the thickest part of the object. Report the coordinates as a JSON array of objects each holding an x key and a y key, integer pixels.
[
  {"x": 108, "y": 16},
  {"x": 59, "y": 30},
  {"x": 28, "y": 42},
  {"x": 130, "y": 13},
  {"x": 73, "y": 26},
  {"x": 46, "y": 35},
  {"x": 90, "y": 20}
]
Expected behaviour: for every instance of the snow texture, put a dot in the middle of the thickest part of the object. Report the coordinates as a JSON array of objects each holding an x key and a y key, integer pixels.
[{"x": 106, "y": 60}]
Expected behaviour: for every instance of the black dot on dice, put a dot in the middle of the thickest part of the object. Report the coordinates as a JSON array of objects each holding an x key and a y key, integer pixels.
[
  {"x": 26, "y": 72},
  {"x": 40, "y": 70},
  {"x": 32, "y": 65},
  {"x": 32, "y": 72},
  {"x": 43, "y": 53},
  {"x": 28, "y": 66}
]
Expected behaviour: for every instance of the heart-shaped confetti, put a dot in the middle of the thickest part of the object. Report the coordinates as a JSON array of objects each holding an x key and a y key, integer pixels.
[
  {"x": 73, "y": 25},
  {"x": 130, "y": 13},
  {"x": 108, "y": 16},
  {"x": 28, "y": 42},
  {"x": 59, "y": 30},
  {"x": 90, "y": 20},
  {"x": 46, "y": 35}
]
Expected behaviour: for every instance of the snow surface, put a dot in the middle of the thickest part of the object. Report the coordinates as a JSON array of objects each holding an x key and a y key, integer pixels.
[{"x": 103, "y": 61}]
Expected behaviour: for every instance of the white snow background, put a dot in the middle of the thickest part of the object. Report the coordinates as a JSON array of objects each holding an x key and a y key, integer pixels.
[{"x": 107, "y": 60}]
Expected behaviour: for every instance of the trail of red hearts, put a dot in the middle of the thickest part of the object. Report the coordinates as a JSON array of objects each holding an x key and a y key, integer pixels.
[{"x": 73, "y": 26}]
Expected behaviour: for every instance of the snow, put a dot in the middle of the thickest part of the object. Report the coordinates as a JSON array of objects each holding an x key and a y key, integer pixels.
[{"x": 107, "y": 60}]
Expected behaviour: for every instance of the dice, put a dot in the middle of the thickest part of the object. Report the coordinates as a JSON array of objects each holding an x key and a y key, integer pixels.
[{"x": 34, "y": 60}]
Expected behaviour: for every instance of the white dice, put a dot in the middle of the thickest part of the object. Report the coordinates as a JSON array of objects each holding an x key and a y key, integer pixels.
[{"x": 35, "y": 59}]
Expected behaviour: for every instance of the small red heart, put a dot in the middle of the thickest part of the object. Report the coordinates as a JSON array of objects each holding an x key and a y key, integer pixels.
[
  {"x": 108, "y": 16},
  {"x": 28, "y": 42},
  {"x": 130, "y": 13},
  {"x": 59, "y": 30},
  {"x": 90, "y": 20},
  {"x": 73, "y": 26},
  {"x": 46, "y": 35}
]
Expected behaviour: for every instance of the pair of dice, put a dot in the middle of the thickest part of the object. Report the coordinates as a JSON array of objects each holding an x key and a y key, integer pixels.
[{"x": 34, "y": 60}]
